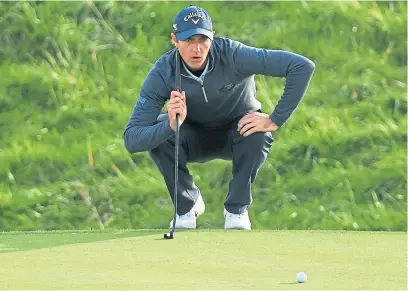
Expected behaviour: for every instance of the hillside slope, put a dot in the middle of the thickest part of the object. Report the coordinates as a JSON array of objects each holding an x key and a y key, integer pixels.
[{"x": 71, "y": 73}]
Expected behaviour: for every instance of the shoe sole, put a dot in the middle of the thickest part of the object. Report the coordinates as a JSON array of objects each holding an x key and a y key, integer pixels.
[{"x": 237, "y": 227}]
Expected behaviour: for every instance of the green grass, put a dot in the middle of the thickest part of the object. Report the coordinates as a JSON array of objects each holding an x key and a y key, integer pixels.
[
  {"x": 205, "y": 259},
  {"x": 71, "y": 73}
]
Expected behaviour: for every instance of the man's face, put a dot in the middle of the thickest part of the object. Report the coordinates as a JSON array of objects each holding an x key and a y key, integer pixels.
[{"x": 194, "y": 50}]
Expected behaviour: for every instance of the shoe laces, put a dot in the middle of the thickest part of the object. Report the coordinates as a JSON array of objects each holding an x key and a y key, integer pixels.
[
  {"x": 189, "y": 214},
  {"x": 239, "y": 216}
]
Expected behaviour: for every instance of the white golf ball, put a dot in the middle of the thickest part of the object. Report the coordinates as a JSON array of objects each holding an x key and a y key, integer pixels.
[{"x": 301, "y": 277}]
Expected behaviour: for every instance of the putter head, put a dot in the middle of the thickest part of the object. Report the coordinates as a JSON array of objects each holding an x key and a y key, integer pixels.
[{"x": 169, "y": 235}]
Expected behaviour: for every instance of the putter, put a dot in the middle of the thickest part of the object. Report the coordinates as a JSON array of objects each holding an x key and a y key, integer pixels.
[{"x": 170, "y": 235}]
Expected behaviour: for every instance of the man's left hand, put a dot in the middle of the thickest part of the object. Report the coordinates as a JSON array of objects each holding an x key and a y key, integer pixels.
[{"x": 256, "y": 122}]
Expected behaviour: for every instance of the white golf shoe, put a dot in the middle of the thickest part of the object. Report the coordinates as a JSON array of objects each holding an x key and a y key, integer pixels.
[
  {"x": 237, "y": 221},
  {"x": 189, "y": 220}
]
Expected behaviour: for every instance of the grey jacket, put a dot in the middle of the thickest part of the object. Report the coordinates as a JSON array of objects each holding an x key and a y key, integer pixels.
[{"x": 225, "y": 92}]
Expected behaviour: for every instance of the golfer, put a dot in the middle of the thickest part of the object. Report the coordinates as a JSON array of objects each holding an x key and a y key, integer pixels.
[{"x": 219, "y": 115}]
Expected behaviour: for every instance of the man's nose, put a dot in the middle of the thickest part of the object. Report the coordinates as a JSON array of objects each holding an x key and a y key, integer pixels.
[{"x": 196, "y": 47}]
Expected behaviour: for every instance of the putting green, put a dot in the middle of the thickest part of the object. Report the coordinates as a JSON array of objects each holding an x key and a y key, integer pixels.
[{"x": 203, "y": 259}]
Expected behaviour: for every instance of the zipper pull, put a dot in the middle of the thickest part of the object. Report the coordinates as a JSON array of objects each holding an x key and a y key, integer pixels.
[{"x": 205, "y": 95}]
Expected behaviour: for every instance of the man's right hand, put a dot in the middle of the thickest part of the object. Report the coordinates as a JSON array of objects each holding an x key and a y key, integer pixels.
[{"x": 177, "y": 105}]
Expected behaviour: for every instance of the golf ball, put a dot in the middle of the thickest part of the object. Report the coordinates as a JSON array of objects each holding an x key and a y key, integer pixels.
[{"x": 301, "y": 277}]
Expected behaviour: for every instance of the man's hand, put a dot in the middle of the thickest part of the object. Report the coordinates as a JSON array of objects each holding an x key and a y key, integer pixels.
[
  {"x": 177, "y": 105},
  {"x": 256, "y": 122}
]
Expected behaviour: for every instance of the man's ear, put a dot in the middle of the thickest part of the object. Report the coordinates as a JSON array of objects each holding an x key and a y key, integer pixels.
[{"x": 174, "y": 39}]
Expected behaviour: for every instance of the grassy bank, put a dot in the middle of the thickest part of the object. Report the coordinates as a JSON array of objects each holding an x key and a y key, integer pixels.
[{"x": 71, "y": 73}]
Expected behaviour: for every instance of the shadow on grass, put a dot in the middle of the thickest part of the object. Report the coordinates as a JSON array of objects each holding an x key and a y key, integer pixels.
[
  {"x": 22, "y": 241},
  {"x": 289, "y": 283}
]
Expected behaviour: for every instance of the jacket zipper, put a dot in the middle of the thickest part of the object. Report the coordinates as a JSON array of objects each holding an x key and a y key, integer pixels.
[
  {"x": 202, "y": 86},
  {"x": 202, "y": 81},
  {"x": 205, "y": 95}
]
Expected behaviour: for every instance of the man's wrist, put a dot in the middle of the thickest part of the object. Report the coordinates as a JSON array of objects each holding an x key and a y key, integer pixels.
[
  {"x": 277, "y": 122},
  {"x": 274, "y": 126}
]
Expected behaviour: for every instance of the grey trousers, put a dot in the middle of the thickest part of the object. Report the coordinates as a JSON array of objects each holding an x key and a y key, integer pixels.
[{"x": 200, "y": 145}]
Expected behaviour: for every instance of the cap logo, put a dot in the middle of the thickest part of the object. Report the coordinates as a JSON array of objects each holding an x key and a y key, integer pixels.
[
  {"x": 195, "y": 14},
  {"x": 175, "y": 26}
]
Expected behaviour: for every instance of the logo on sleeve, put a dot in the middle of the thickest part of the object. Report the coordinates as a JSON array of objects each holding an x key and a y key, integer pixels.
[{"x": 141, "y": 101}]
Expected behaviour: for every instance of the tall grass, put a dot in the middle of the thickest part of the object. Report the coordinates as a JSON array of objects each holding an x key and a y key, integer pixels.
[{"x": 71, "y": 73}]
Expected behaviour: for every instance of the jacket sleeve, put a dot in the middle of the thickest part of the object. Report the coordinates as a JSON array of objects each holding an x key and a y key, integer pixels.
[
  {"x": 297, "y": 70},
  {"x": 142, "y": 132}
]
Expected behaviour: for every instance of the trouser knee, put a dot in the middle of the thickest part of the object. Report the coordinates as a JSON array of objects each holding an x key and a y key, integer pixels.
[
  {"x": 257, "y": 144},
  {"x": 252, "y": 151}
]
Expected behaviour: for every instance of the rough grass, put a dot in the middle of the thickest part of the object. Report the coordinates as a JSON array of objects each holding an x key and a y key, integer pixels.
[{"x": 71, "y": 73}]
